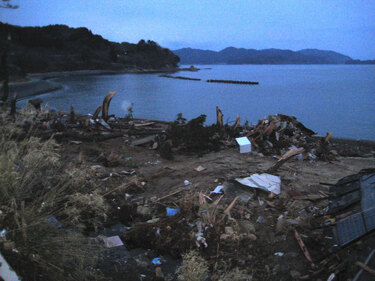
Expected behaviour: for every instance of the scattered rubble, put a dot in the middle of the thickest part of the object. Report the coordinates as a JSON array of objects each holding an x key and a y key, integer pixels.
[{"x": 256, "y": 214}]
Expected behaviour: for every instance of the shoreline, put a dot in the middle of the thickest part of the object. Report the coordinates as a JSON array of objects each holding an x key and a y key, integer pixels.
[{"x": 40, "y": 83}]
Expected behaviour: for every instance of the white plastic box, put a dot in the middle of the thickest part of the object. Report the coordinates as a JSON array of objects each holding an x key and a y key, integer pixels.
[{"x": 245, "y": 144}]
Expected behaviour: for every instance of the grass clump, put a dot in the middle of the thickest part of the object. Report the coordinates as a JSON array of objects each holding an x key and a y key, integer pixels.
[
  {"x": 235, "y": 274},
  {"x": 34, "y": 187},
  {"x": 193, "y": 268}
]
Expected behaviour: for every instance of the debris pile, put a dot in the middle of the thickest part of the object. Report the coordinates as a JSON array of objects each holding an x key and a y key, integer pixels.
[
  {"x": 276, "y": 134},
  {"x": 143, "y": 213}
]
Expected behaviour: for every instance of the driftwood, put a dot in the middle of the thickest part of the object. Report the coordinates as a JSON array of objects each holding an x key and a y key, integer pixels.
[
  {"x": 311, "y": 197},
  {"x": 284, "y": 158},
  {"x": 72, "y": 115},
  {"x": 171, "y": 194},
  {"x": 13, "y": 105},
  {"x": 89, "y": 137},
  {"x": 137, "y": 125},
  {"x": 237, "y": 123},
  {"x": 77, "y": 136},
  {"x": 231, "y": 205},
  {"x": 5, "y": 75},
  {"x": 36, "y": 103},
  {"x": 219, "y": 117},
  {"x": 105, "y": 107},
  {"x": 96, "y": 113}
]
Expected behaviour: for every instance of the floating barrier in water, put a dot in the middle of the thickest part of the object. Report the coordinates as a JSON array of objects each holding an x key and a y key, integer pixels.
[
  {"x": 179, "y": 77},
  {"x": 233, "y": 82}
]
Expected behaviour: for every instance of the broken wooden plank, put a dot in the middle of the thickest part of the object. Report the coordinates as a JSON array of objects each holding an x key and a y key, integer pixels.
[
  {"x": 365, "y": 267},
  {"x": 137, "y": 125},
  {"x": 303, "y": 248},
  {"x": 231, "y": 205},
  {"x": 144, "y": 140},
  {"x": 171, "y": 194},
  {"x": 366, "y": 262},
  {"x": 284, "y": 158},
  {"x": 237, "y": 123},
  {"x": 312, "y": 197}
]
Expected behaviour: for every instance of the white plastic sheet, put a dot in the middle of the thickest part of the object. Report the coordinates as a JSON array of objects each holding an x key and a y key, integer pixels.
[{"x": 266, "y": 182}]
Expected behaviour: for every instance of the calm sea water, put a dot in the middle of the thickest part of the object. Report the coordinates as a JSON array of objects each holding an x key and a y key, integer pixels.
[{"x": 335, "y": 98}]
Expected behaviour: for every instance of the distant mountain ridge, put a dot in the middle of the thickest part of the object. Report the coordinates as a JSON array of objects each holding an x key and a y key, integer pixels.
[{"x": 232, "y": 55}]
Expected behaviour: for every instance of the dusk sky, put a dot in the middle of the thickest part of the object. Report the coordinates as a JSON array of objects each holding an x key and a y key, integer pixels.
[{"x": 345, "y": 26}]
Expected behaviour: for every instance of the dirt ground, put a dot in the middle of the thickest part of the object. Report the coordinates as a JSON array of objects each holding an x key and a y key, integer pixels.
[
  {"x": 242, "y": 233},
  {"x": 261, "y": 247}
]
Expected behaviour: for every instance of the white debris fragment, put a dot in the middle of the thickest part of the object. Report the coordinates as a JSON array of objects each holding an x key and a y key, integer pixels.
[
  {"x": 266, "y": 182},
  {"x": 200, "y": 168},
  {"x": 6, "y": 271},
  {"x": 245, "y": 144},
  {"x": 113, "y": 241},
  {"x": 218, "y": 189}
]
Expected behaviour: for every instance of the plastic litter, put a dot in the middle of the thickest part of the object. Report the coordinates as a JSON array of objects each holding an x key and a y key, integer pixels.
[
  {"x": 131, "y": 172},
  {"x": 200, "y": 168},
  {"x": 312, "y": 156},
  {"x": 153, "y": 220},
  {"x": 266, "y": 182},
  {"x": 172, "y": 212},
  {"x": 217, "y": 190},
  {"x": 3, "y": 233},
  {"x": 261, "y": 220},
  {"x": 186, "y": 182},
  {"x": 156, "y": 261},
  {"x": 6, "y": 272},
  {"x": 153, "y": 162},
  {"x": 113, "y": 241},
  {"x": 279, "y": 254},
  {"x": 53, "y": 221}
]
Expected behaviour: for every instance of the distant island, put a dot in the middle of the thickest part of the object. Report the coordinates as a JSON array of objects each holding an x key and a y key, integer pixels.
[
  {"x": 233, "y": 55},
  {"x": 56, "y": 48}
]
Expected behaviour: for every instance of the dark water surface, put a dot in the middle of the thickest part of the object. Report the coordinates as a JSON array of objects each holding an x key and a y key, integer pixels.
[{"x": 336, "y": 98}]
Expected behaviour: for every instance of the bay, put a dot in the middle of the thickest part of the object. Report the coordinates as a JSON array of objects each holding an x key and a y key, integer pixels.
[{"x": 326, "y": 98}]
